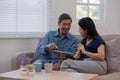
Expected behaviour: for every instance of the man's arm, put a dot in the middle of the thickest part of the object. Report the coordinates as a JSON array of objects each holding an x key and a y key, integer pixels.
[
  {"x": 42, "y": 44},
  {"x": 73, "y": 47},
  {"x": 46, "y": 44}
]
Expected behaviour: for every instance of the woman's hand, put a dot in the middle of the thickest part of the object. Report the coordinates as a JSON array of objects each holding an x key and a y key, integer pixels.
[{"x": 81, "y": 48}]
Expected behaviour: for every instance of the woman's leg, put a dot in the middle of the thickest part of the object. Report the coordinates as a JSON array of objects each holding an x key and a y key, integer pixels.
[
  {"x": 86, "y": 66},
  {"x": 71, "y": 70}
]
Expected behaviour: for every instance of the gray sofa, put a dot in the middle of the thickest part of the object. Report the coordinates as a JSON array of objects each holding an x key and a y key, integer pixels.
[{"x": 112, "y": 57}]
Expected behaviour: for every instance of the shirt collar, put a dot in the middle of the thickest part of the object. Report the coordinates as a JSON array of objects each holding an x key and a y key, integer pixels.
[{"x": 66, "y": 36}]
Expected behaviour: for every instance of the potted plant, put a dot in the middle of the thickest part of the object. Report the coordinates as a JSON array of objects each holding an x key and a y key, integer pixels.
[{"x": 30, "y": 68}]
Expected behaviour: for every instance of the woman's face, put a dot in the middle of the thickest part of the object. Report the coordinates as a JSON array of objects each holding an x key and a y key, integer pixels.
[{"x": 82, "y": 32}]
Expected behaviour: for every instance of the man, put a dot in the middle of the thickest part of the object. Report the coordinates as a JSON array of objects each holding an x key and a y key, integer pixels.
[{"x": 59, "y": 39}]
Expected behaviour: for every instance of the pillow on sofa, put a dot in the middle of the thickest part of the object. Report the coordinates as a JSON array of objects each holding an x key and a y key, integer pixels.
[
  {"x": 113, "y": 55},
  {"x": 23, "y": 59}
]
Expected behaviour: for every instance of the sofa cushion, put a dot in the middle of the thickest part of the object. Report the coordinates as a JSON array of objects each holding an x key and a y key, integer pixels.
[{"x": 113, "y": 55}]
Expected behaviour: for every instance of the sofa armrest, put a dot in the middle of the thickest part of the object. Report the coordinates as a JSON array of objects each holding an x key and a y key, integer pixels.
[{"x": 21, "y": 58}]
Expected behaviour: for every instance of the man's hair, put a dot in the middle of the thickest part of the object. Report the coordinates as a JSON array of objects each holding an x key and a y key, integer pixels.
[{"x": 64, "y": 16}]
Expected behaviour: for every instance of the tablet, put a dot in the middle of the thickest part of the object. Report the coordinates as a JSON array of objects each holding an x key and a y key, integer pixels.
[{"x": 68, "y": 55}]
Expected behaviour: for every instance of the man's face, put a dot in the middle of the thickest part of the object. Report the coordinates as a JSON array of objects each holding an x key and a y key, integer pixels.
[{"x": 64, "y": 26}]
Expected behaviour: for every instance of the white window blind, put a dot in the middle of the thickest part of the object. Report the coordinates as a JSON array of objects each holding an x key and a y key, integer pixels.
[{"x": 24, "y": 18}]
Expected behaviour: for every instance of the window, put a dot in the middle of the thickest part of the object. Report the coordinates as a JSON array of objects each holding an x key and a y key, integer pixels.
[
  {"x": 91, "y": 8},
  {"x": 24, "y": 18}
]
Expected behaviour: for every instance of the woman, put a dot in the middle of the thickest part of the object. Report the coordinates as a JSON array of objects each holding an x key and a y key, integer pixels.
[{"x": 90, "y": 54}]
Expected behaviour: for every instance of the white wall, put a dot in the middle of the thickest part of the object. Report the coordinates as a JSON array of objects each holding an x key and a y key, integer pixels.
[
  {"x": 65, "y": 6},
  {"x": 8, "y": 47}
]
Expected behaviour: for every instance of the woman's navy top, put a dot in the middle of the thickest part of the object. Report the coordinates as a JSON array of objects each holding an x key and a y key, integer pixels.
[{"x": 92, "y": 46}]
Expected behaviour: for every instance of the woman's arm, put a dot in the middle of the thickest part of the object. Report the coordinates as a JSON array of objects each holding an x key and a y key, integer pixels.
[
  {"x": 98, "y": 56},
  {"x": 77, "y": 54}
]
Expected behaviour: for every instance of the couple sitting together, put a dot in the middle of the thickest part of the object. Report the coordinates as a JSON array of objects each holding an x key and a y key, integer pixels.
[{"x": 89, "y": 53}]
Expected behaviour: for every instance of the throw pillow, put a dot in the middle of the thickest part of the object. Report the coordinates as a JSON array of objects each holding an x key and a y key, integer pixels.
[
  {"x": 23, "y": 59},
  {"x": 113, "y": 55}
]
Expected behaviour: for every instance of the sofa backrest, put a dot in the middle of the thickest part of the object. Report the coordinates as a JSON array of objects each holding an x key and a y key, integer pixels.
[
  {"x": 110, "y": 37},
  {"x": 105, "y": 37}
]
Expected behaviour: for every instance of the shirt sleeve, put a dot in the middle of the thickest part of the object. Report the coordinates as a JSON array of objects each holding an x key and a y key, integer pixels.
[
  {"x": 98, "y": 42},
  {"x": 73, "y": 47},
  {"x": 42, "y": 44}
]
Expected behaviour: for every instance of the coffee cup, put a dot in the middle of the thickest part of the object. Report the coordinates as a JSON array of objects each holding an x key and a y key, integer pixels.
[
  {"x": 48, "y": 67},
  {"x": 38, "y": 66}
]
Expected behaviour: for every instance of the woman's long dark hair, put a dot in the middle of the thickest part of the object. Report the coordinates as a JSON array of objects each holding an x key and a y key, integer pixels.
[{"x": 88, "y": 25}]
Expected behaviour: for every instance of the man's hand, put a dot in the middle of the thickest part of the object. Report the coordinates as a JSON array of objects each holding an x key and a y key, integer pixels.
[
  {"x": 56, "y": 66},
  {"x": 51, "y": 46}
]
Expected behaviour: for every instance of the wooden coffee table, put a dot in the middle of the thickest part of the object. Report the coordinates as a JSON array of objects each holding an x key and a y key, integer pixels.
[{"x": 54, "y": 75}]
